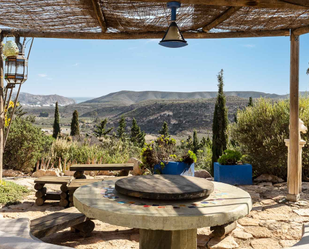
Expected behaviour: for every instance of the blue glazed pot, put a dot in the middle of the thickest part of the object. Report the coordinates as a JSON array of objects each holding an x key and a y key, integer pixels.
[
  {"x": 233, "y": 174},
  {"x": 175, "y": 168}
]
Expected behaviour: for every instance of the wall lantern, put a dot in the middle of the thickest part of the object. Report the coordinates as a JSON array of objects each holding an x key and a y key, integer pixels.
[
  {"x": 173, "y": 37},
  {"x": 16, "y": 67}
]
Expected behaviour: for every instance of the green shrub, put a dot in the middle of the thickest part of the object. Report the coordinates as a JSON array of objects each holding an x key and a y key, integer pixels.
[
  {"x": 11, "y": 193},
  {"x": 260, "y": 132},
  {"x": 26, "y": 144},
  {"x": 111, "y": 150},
  {"x": 230, "y": 157}
]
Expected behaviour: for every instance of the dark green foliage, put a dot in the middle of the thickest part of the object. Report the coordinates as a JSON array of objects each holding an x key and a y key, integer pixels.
[
  {"x": 75, "y": 124},
  {"x": 195, "y": 143},
  {"x": 137, "y": 136},
  {"x": 26, "y": 144},
  {"x": 44, "y": 114},
  {"x": 56, "y": 126},
  {"x": 205, "y": 142},
  {"x": 260, "y": 133},
  {"x": 30, "y": 119},
  {"x": 122, "y": 128},
  {"x": 19, "y": 111},
  {"x": 11, "y": 193},
  {"x": 220, "y": 124},
  {"x": 235, "y": 117},
  {"x": 230, "y": 157},
  {"x": 164, "y": 130},
  {"x": 250, "y": 102},
  {"x": 100, "y": 130}
]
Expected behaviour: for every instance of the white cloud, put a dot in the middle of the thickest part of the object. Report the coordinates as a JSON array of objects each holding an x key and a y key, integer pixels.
[
  {"x": 152, "y": 40},
  {"x": 249, "y": 45},
  {"x": 76, "y": 64},
  {"x": 42, "y": 75}
]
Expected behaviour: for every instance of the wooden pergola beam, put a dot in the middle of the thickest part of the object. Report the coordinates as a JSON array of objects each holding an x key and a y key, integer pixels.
[
  {"x": 99, "y": 14},
  {"x": 147, "y": 35},
  {"x": 301, "y": 30},
  {"x": 221, "y": 18},
  {"x": 273, "y": 4}
]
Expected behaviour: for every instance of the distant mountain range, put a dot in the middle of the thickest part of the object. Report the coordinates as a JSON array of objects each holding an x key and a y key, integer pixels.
[
  {"x": 183, "y": 112},
  {"x": 27, "y": 99},
  {"x": 132, "y": 97}
]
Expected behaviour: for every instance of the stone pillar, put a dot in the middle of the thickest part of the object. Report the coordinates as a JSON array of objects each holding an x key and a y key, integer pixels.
[{"x": 159, "y": 239}]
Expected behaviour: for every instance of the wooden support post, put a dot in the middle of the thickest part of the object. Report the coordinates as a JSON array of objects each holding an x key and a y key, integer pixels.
[
  {"x": 1, "y": 108},
  {"x": 293, "y": 171}
]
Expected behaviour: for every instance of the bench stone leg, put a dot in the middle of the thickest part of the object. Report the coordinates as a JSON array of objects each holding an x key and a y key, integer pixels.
[
  {"x": 124, "y": 172},
  {"x": 64, "y": 196},
  {"x": 159, "y": 239},
  {"x": 71, "y": 192},
  {"x": 79, "y": 175},
  {"x": 221, "y": 231},
  {"x": 85, "y": 229},
  {"x": 40, "y": 194}
]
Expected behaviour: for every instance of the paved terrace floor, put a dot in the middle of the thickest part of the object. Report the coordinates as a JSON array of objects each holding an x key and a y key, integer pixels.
[{"x": 273, "y": 223}]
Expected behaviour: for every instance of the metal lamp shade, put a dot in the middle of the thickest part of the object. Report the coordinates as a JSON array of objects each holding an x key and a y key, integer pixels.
[
  {"x": 16, "y": 69},
  {"x": 173, "y": 37}
]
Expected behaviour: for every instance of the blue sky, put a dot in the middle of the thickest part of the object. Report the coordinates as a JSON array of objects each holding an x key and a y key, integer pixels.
[{"x": 92, "y": 68}]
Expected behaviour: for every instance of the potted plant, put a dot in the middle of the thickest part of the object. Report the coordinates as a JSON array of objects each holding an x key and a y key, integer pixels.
[
  {"x": 229, "y": 169},
  {"x": 163, "y": 157}
]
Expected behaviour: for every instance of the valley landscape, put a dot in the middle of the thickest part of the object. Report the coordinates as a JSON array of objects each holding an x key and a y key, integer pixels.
[{"x": 183, "y": 112}]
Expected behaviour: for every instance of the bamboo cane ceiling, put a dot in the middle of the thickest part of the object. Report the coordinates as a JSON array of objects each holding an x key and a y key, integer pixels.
[{"x": 145, "y": 17}]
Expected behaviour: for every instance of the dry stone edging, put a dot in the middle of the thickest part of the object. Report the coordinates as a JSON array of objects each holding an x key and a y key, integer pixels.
[{"x": 268, "y": 178}]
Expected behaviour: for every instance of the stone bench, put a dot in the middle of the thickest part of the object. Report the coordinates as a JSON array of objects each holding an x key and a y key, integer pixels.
[
  {"x": 42, "y": 195},
  {"x": 304, "y": 242},
  {"x": 80, "y": 168},
  {"x": 15, "y": 234},
  {"x": 52, "y": 223}
]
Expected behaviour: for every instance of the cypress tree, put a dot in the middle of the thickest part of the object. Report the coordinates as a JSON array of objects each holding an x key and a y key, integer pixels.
[
  {"x": 137, "y": 136},
  {"x": 121, "y": 128},
  {"x": 208, "y": 142},
  {"x": 56, "y": 126},
  {"x": 195, "y": 143},
  {"x": 250, "y": 102},
  {"x": 75, "y": 124},
  {"x": 164, "y": 130},
  {"x": 203, "y": 142},
  {"x": 100, "y": 130},
  {"x": 220, "y": 124}
]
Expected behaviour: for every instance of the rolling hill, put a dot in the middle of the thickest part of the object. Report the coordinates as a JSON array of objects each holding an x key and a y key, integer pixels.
[
  {"x": 27, "y": 99},
  {"x": 183, "y": 112},
  {"x": 132, "y": 97}
]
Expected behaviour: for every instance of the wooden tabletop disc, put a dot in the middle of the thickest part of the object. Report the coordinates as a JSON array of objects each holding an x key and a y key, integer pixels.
[{"x": 165, "y": 187}]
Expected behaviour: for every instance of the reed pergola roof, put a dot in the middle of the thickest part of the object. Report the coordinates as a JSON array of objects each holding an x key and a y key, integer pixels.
[{"x": 136, "y": 19}]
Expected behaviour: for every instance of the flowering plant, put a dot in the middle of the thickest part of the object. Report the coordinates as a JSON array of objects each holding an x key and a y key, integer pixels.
[{"x": 163, "y": 150}]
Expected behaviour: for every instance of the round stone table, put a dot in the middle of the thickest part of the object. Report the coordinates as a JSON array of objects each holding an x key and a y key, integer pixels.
[{"x": 163, "y": 224}]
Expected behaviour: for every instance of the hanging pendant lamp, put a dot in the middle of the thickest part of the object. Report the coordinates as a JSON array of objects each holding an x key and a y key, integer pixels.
[{"x": 173, "y": 37}]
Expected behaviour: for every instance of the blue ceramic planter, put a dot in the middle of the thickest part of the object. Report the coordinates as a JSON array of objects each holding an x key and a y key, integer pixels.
[
  {"x": 175, "y": 168},
  {"x": 233, "y": 174}
]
